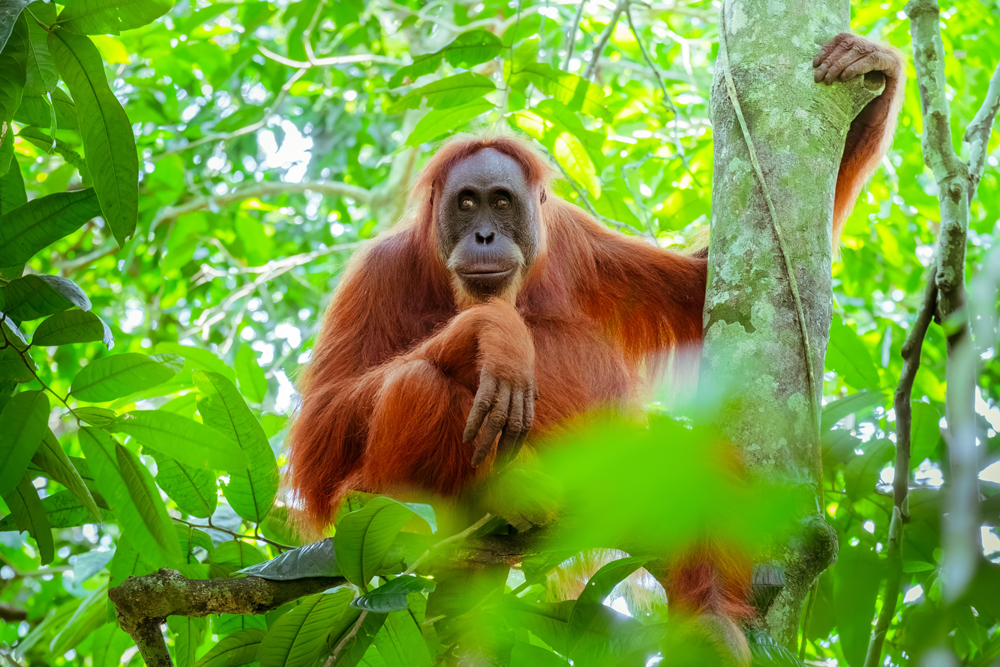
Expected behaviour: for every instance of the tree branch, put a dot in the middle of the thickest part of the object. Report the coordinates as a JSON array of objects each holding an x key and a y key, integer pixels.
[
  {"x": 977, "y": 135},
  {"x": 265, "y": 189},
  {"x": 901, "y": 471},
  {"x": 961, "y": 531},
  {"x": 603, "y": 40},
  {"x": 571, "y": 36}
]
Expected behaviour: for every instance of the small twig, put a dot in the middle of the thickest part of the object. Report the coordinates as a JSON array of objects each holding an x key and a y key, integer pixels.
[
  {"x": 978, "y": 133},
  {"x": 912, "y": 348},
  {"x": 329, "y": 61},
  {"x": 663, "y": 88},
  {"x": 602, "y": 41},
  {"x": 240, "y": 536},
  {"x": 335, "y": 654},
  {"x": 571, "y": 36}
]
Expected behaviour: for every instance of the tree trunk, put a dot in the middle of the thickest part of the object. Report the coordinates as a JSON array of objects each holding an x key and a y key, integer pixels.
[{"x": 768, "y": 306}]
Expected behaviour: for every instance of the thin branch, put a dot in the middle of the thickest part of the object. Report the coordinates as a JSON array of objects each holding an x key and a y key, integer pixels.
[
  {"x": 961, "y": 538},
  {"x": 454, "y": 539},
  {"x": 595, "y": 54},
  {"x": 571, "y": 35},
  {"x": 248, "y": 129},
  {"x": 912, "y": 348},
  {"x": 663, "y": 88},
  {"x": 330, "y": 61},
  {"x": 240, "y": 536},
  {"x": 978, "y": 133},
  {"x": 265, "y": 189}
]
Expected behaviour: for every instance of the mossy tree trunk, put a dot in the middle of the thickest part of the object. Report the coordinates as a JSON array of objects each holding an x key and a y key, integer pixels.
[{"x": 779, "y": 138}]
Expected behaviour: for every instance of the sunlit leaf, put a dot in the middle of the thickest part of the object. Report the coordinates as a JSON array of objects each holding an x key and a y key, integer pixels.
[
  {"x": 51, "y": 458},
  {"x": 363, "y": 538},
  {"x": 249, "y": 374},
  {"x": 119, "y": 375},
  {"x": 468, "y": 49},
  {"x": 193, "y": 489},
  {"x": 107, "y": 132},
  {"x": 94, "y": 17},
  {"x": 30, "y": 228},
  {"x": 190, "y": 442},
  {"x": 299, "y": 637},
  {"x": 73, "y": 326},
  {"x": 440, "y": 121},
  {"x": 37, "y": 295}
]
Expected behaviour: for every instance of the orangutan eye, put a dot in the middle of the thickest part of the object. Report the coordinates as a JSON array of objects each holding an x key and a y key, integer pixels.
[
  {"x": 466, "y": 203},
  {"x": 502, "y": 202}
]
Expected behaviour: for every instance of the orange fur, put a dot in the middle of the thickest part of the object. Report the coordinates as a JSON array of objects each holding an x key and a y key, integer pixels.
[{"x": 396, "y": 367}]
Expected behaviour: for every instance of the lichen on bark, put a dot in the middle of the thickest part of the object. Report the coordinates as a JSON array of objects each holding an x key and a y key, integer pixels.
[{"x": 755, "y": 327}]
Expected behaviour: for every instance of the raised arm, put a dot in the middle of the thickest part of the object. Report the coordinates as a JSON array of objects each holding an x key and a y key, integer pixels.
[{"x": 870, "y": 135}]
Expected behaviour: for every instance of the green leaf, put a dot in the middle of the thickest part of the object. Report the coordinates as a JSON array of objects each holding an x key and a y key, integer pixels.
[
  {"x": 98, "y": 17},
  {"x": 859, "y": 403},
  {"x": 38, "y": 295},
  {"x": 64, "y": 510},
  {"x": 41, "y": 75},
  {"x": 445, "y": 93},
  {"x": 23, "y": 421},
  {"x": 90, "y": 615},
  {"x": 12, "y": 366},
  {"x": 571, "y": 154},
  {"x": 313, "y": 560},
  {"x": 249, "y": 374},
  {"x": 856, "y": 579},
  {"x": 101, "y": 452},
  {"x": 189, "y": 634},
  {"x": 239, "y": 648},
  {"x": 193, "y": 489},
  {"x": 363, "y": 538},
  {"x": 146, "y": 498},
  {"x": 392, "y": 596},
  {"x": 188, "y": 441},
  {"x": 400, "y": 642},
  {"x": 51, "y": 458},
  {"x": 848, "y": 355},
  {"x": 13, "y": 59},
  {"x": 94, "y": 416},
  {"x": 236, "y": 555},
  {"x": 468, "y": 49},
  {"x": 251, "y": 490},
  {"x": 12, "y": 193},
  {"x": 108, "y": 142},
  {"x": 575, "y": 92},
  {"x": 768, "y": 653},
  {"x": 73, "y": 326},
  {"x": 30, "y": 228},
  {"x": 440, "y": 121},
  {"x": 862, "y": 472},
  {"x": 356, "y": 648},
  {"x": 47, "y": 144},
  {"x": 9, "y": 11},
  {"x": 29, "y": 516},
  {"x": 108, "y": 378},
  {"x": 299, "y": 637},
  {"x": 925, "y": 431},
  {"x": 197, "y": 357}
]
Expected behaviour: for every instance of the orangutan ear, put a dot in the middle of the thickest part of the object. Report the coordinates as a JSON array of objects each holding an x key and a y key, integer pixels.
[{"x": 544, "y": 197}]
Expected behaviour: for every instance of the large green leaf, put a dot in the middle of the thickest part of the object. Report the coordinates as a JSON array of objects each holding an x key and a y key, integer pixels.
[
  {"x": 859, "y": 403},
  {"x": 849, "y": 357},
  {"x": 193, "y": 489},
  {"x": 107, "y": 133},
  {"x": 9, "y": 11},
  {"x": 575, "y": 92},
  {"x": 146, "y": 498},
  {"x": 856, "y": 579},
  {"x": 119, "y": 375},
  {"x": 151, "y": 541},
  {"x": 73, "y": 326},
  {"x": 13, "y": 59},
  {"x": 445, "y": 93},
  {"x": 12, "y": 193},
  {"x": 363, "y": 538},
  {"x": 64, "y": 150},
  {"x": 441, "y": 121},
  {"x": 64, "y": 510},
  {"x": 188, "y": 441},
  {"x": 249, "y": 374},
  {"x": 400, "y": 642},
  {"x": 189, "y": 634},
  {"x": 299, "y": 637},
  {"x": 392, "y": 596},
  {"x": 250, "y": 490},
  {"x": 41, "y": 75},
  {"x": 51, "y": 458},
  {"x": 37, "y": 295},
  {"x": 239, "y": 648},
  {"x": 29, "y": 516},
  {"x": 468, "y": 49},
  {"x": 23, "y": 422},
  {"x": 925, "y": 431},
  {"x": 862, "y": 472},
  {"x": 90, "y": 615},
  {"x": 313, "y": 560},
  {"x": 98, "y": 17},
  {"x": 30, "y": 228}
]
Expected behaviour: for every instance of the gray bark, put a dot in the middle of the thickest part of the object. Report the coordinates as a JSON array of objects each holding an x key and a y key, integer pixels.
[{"x": 768, "y": 306}]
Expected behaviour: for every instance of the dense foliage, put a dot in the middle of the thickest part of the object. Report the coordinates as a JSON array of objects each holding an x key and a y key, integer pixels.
[{"x": 185, "y": 183}]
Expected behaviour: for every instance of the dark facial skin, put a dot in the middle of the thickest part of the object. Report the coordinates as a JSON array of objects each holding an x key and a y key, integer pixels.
[{"x": 487, "y": 223}]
